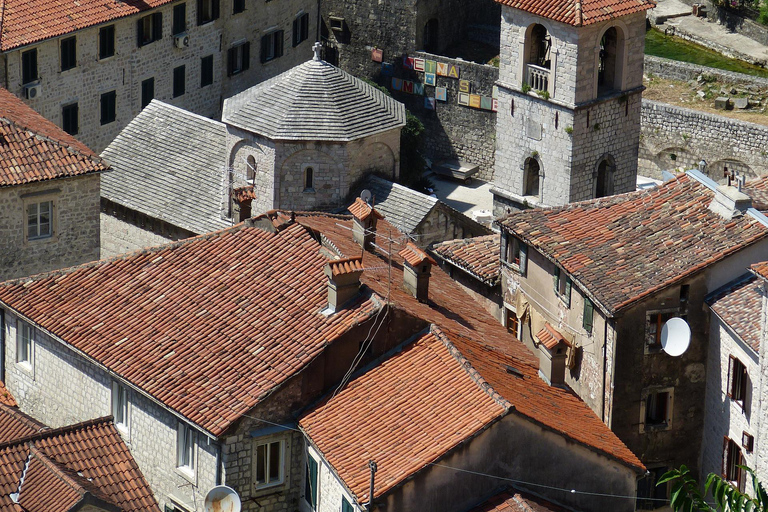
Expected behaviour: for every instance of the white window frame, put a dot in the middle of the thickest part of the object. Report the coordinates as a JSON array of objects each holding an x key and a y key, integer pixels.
[
  {"x": 121, "y": 406},
  {"x": 186, "y": 446},
  {"x": 280, "y": 480},
  {"x": 28, "y": 205},
  {"x": 25, "y": 343}
]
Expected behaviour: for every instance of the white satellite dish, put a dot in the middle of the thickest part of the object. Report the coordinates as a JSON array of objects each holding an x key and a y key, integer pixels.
[
  {"x": 222, "y": 499},
  {"x": 366, "y": 196},
  {"x": 675, "y": 336}
]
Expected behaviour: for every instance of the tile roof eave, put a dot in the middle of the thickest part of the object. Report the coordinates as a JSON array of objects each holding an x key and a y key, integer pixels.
[
  {"x": 487, "y": 282},
  {"x": 742, "y": 342},
  {"x": 54, "y": 178}
]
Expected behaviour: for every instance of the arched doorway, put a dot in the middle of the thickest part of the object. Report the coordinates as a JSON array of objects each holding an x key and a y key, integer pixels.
[
  {"x": 604, "y": 177},
  {"x": 531, "y": 179}
]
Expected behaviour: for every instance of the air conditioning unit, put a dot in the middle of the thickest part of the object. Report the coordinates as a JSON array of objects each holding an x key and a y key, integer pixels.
[
  {"x": 181, "y": 40},
  {"x": 32, "y": 91}
]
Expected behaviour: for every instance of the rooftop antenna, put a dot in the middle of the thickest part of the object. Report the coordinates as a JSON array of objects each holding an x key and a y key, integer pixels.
[
  {"x": 675, "y": 336},
  {"x": 222, "y": 499}
]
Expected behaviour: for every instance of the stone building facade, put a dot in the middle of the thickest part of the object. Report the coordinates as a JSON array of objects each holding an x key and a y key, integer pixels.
[
  {"x": 569, "y": 101},
  {"x": 221, "y": 57}
]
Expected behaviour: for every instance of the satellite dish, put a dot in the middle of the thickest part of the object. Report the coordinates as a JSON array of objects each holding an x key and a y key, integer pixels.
[
  {"x": 675, "y": 336},
  {"x": 366, "y": 195},
  {"x": 222, "y": 499}
]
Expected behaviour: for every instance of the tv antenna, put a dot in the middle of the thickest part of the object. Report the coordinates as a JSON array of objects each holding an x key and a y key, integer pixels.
[
  {"x": 222, "y": 499},
  {"x": 675, "y": 336},
  {"x": 366, "y": 196}
]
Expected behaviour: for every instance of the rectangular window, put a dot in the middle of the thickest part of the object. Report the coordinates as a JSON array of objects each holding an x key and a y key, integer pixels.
[
  {"x": 207, "y": 11},
  {"x": 238, "y": 58},
  {"x": 206, "y": 71},
  {"x": 272, "y": 46},
  {"x": 514, "y": 253},
  {"x": 589, "y": 314},
  {"x": 108, "y": 107},
  {"x": 655, "y": 321},
  {"x": 562, "y": 286},
  {"x": 29, "y": 66},
  {"x": 24, "y": 343},
  {"x": 513, "y": 323},
  {"x": 656, "y": 409},
  {"x": 69, "y": 118},
  {"x": 179, "y": 18},
  {"x": 68, "y": 53},
  {"x": 39, "y": 223},
  {"x": 732, "y": 458},
  {"x": 737, "y": 381},
  {"x": 346, "y": 506},
  {"x": 147, "y": 91},
  {"x": 310, "y": 484},
  {"x": 106, "y": 41},
  {"x": 150, "y": 28},
  {"x": 185, "y": 454},
  {"x": 179, "y": 81},
  {"x": 238, "y": 6},
  {"x": 269, "y": 464},
  {"x": 300, "y": 29},
  {"x": 120, "y": 405},
  {"x": 649, "y": 495}
]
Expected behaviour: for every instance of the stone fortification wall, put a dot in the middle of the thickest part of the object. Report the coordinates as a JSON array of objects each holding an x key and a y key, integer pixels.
[
  {"x": 674, "y": 137},
  {"x": 676, "y": 70}
]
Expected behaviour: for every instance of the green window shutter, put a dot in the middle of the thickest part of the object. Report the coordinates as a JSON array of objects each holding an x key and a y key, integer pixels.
[
  {"x": 310, "y": 491},
  {"x": 503, "y": 249},
  {"x": 556, "y": 280},
  {"x": 345, "y": 505},
  {"x": 567, "y": 295},
  {"x": 523, "y": 258},
  {"x": 588, "y": 314}
]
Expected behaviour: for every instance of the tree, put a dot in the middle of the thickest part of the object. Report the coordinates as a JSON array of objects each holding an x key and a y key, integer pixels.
[{"x": 687, "y": 497}]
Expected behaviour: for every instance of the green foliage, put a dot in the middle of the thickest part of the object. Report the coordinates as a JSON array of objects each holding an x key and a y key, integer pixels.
[
  {"x": 762, "y": 17},
  {"x": 525, "y": 88},
  {"x": 687, "y": 497},
  {"x": 568, "y": 129},
  {"x": 543, "y": 94},
  {"x": 377, "y": 86},
  {"x": 411, "y": 162}
]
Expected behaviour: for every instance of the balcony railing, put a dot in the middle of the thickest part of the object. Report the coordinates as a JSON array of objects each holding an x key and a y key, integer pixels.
[{"x": 537, "y": 77}]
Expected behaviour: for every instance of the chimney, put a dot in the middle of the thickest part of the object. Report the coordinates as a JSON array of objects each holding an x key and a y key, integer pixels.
[
  {"x": 730, "y": 202},
  {"x": 416, "y": 271},
  {"x": 343, "y": 281},
  {"x": 553, "y": 351},
  {"x": 364, "y": 223}
]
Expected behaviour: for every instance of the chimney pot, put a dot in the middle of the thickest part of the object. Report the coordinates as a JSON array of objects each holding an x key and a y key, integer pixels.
[
  {"x": 416, "y": 271},
  {"x": 343, "y": 281},
  {"x": 364, "y": 223}
]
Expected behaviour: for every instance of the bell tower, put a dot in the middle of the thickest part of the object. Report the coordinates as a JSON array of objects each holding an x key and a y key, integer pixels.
[{"x": 570, "y": 84}]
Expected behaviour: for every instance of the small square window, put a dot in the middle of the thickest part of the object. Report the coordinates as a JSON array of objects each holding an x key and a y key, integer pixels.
[
  {"x": 120, "y": 405},
  {"x": 238, "y": 58},
  {"x": 206, "y": 70},
  {"x": 108, "y": 107},
  {"x": 300, "y": 29},
  {"x": 179, "y": 81},
  {"x": 24, "y": 341},
  {"x": 654, "y": 322},
  {"x": 68, "y": 53},
  {"x": 147, "y": 91},
  {"x": 69, "y": 118},
  {"x": 39, "y": 220},
  {"x": 656, "y": 409},
  {"x": 207, "y": 11},
  {"x": 106, "y": 41},
  {"x": 272, "y": 46},
  {"x": 179, "y": 18},
  {"x": 150, "y": 29},
  {"x": 185, "y": 454},
  {"x": 238, "y": 6},
  {"x": 29, "y": 66},
  {"x": 270, "y": 462}
]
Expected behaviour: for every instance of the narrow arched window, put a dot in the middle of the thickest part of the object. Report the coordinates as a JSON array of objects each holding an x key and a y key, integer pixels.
[
  {"x": 309, "y": 178},
  {"x": 610, "y": 61},
  {"x": 532, "y": 177},
  {"x": 251, "y": 171},
  {"x": 604, "y": 178}
]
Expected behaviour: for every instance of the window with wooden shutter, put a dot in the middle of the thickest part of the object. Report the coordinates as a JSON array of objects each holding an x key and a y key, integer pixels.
[
  {"x": 589, "y": 310},
  {"x": 737, "y": 381},
  {"x": 732, "y": 459}
]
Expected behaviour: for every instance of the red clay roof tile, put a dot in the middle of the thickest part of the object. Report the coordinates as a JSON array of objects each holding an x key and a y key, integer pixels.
[
  {"x": 346, "y": 266},
  {"x": 550, "y": 337},
  {"x": 761, "y": 269},
  {"x": 5, "y": 396},
  {"x": 34, "y": 149},
  {"x": 415, "y": 256},
  {"x": 362, "y": 210},
  {"x": 513, "y": 501},
  {"x": 739, "y": 305},
  {"x": 477, "y": 256},
  {"x": 580, "y": 12},
  {"x": 15, "y": 424}
]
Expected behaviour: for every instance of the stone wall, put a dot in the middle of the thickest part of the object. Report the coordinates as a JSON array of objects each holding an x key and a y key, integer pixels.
[
  {"x": 685, "y": 71},
  {"x": 674, "y": 137},
  {"x": 75, "y": 237},
  {"x": 61, "y": 387},
  {"x": 130, "y": 65}
]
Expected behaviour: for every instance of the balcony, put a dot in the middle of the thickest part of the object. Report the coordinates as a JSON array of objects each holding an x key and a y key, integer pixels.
[{"x": 537, "y": 77}]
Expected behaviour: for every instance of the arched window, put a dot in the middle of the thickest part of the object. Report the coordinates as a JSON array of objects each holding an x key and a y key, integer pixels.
[
  {"x": 610, "y": 61},
  {"x": 604, "y": 178},
  {"x": 531, "y": 177},
  {"x": 309, "y": 178},
  {"x": 430, "y": 36},
  {"x": 538, "y": 44},
  {"x": 250, "y": 172}
]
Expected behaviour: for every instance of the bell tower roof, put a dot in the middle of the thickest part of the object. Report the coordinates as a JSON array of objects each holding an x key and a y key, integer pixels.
[{"x": 580, "y": 12}]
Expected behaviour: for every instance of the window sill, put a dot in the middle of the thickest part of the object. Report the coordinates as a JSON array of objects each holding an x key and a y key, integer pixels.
[
  {"x": 206, "y": 22},
  {"x": 309, "y": 191},
  {"x": 656, "y": 427},
  {"x": 512, "y": 266},
  {"x": 186, "y": 472},
  {"x": 102, "y": 59},
  {"x": 25, "y": 366},
  {"x": 266, "y": 490}
]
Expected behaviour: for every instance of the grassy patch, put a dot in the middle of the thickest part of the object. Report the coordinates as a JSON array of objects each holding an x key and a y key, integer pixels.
[{"x": 670, "y": 47}]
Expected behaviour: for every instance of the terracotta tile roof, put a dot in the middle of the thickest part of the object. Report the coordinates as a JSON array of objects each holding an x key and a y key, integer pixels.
[
  {"x": 408, "y": 411},
  {"x": 34, "y": 149},
  {"x": 646, "y": 240},
  {"x": 550, "y": 337},
  {"x": 69, "y": 462},
  {"x": 513, "y": 501},
  {"x": 760, "y": 269},
  {"x": 5, "y": 396},
  {"x": 209, "y": 326},
  {"x": 346, "y": 266},
  {"x": 363, "y": 210},
  {"x": 739, "y": 304},
  {"x": 580, "y": 12},
  {"x": 415, "y": 256},
  {"x": 15, "y": 424},
  {"x": 29, "y": 21},
  {"x": 244, "y": 193},
  {"x": 477, "y": 256}
]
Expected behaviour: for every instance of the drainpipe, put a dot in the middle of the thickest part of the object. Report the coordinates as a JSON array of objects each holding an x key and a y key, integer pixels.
[
  {"x": 605, "y": 366},
  {"x": 374, "y": 468}
]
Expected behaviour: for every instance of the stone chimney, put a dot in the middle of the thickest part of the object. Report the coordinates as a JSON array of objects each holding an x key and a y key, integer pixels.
[
  {"x": 730, "y": 202},
  {"x": 553, "y": 351},
  {"x": 364, "y": 223},
  {"x": 343, "y": 281},
  {"x": 416, "y": 271}
]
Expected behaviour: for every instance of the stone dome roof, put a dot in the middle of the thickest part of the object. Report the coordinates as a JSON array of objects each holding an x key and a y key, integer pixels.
[{"x": 314, "y": 101}]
